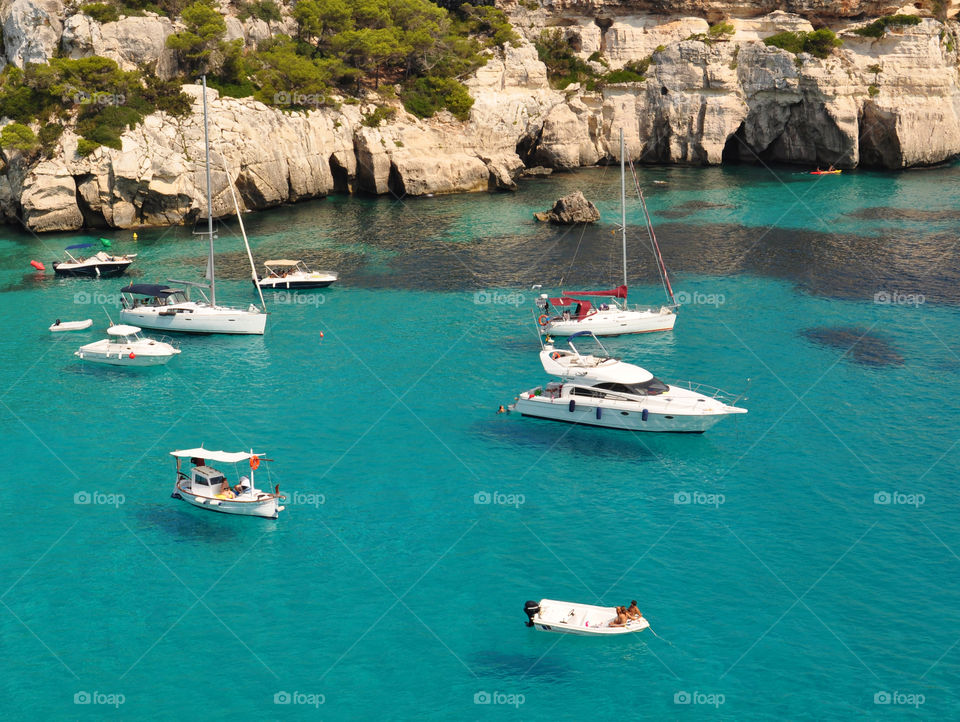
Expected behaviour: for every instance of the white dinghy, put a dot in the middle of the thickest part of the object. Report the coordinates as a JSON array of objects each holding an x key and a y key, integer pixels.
[
  {"x": 58, "y": 325},
  {"x": 550, "y": 615},
  {"x": 208, "y": 488},
  {"x": 126, "y": 347}
]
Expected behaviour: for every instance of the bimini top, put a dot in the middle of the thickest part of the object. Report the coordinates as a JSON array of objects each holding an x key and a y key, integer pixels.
[
  {"x": 229, "y": 457},
  {"x": 281, "y": 262},
  {"x": 123, "y": 330},
  {"x": 79, "y": 245},
  {"x": 150, "y": 289},
  {"x": 618, "y": 292},
  {"x": 583, "y": 307}
]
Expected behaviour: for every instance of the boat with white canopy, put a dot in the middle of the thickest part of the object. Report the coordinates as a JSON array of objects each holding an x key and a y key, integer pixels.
[
  {"x": 550, "y": 615},
  {"x": 126, "y": 347},
  {"x": 284, "y": 274},
  {"x": 601, "y": 390},
  {"x": 172, "y": 309},
  {"x": 206, "y": 487},
  {"x": 576, "y": 311},
  {"x": 99, "y": 265}
]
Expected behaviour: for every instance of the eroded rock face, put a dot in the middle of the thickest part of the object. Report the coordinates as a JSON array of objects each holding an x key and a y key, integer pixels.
[
  {"x": 31, "y": 30},
  {"x": 48, "y": 199},
  {"x": 135, "y": 43},
  {"x": 570, "y": 210}
]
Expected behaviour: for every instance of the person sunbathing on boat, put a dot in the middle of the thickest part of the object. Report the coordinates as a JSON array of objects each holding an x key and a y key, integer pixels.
[
  {"x": 225, "y": 489},
  {"x": 242, "y": 486},
  {"x": 633, "y": 612},
  {"x": 622, "y": 618}
]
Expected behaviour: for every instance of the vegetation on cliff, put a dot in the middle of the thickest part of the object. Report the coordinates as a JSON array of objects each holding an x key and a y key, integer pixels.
[{"x": 819, "y": 43}]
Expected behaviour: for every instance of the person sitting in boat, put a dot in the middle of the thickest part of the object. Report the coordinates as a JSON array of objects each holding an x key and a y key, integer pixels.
[
  {"x": 566, "y": 315},
  {"x": 242, "y": 486},
  {"x": 622, "y": 618},
  {"x": 633, "y": 612},
  {"x": 225, "y": 489}
]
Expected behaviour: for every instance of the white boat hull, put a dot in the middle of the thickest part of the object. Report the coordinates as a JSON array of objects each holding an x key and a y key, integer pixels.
[
  {"x": 614, "y": 323},
  {"x": 627, "y": 416},
  {"x": 196, "y": 318},
  {"x": 71, "y": 325},
  {"x": 582, "y": 619},
  {"x": 268, "y": 507},
  {"x": 114, "y": 359}
]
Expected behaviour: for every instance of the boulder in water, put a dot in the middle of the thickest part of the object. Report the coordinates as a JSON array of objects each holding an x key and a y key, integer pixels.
[{"x": 570, "y": 210}]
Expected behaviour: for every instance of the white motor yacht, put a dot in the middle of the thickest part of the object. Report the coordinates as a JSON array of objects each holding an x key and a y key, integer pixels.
[
  {"x": 605, "y": 391},
  {"x": 99, "y": 265},
  {"x": 126, "y": 347}
]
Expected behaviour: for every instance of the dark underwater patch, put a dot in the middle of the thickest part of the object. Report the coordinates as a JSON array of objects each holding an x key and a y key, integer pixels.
[{"x": 858, "y": 344}]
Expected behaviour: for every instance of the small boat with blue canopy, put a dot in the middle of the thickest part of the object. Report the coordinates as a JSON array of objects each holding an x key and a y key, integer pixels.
[{"x": 99, "y": 265}]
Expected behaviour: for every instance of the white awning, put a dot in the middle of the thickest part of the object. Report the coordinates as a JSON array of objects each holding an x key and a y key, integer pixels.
[
  {"x": 230, "y": 457},
  {"x": 123, "y": 330},
  {"x": 281, "y": 262}
]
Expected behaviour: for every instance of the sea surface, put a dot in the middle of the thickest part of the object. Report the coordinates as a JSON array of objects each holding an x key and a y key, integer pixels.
[{"x": 799, "y": 562}]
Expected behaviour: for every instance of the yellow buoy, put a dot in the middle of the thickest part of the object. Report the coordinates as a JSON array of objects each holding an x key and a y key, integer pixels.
[{"x": 134, "y": 236}]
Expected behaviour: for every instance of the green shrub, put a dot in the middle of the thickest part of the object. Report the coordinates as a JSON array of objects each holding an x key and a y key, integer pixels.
[
  {"x": 379, "y": 114},
  {"x": 266, "y": 10},
  {"x": 875, "y": 69},
  {"x": 489, "y": 23},
  {"x": 204, "y": 28},
  {"x": 86, "y": 147},
  {"x": 873, "y": 90},
  {"x": 632, "y": 72},
  {"x": 718, "y": 31},
  {"x": 17, "y": 136},
  {"x": 563, "y": 66},
  {"x": 101, "y": 12},
  {"x": 49, "y": 135},
  {"x": 819, "y": 43},
  {"x": 878, "y": 28},
  {"x": 425, "y": 96}
]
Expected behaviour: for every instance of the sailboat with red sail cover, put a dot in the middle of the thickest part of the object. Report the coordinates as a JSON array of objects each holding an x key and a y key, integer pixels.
[{"x": 607, "y": 313}]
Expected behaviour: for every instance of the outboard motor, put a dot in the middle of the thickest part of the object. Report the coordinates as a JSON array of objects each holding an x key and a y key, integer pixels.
[{"x": 531, "y": 609}]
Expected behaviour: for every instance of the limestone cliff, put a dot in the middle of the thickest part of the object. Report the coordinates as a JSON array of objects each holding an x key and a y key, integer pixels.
[{"x": 892, "y": 103}]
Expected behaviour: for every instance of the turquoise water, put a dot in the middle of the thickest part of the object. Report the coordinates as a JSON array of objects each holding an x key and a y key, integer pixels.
[{"x": 384, "y": 590}]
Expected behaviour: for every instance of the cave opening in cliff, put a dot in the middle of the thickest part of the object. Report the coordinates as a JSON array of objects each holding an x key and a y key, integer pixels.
[
  {"x": 341, "y": 177},
  {"x": 732, "y": 148}
]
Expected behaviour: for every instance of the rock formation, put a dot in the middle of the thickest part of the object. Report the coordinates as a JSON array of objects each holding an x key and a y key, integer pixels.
[
  {"x": 892, "y": 102},
  {"x": 570, "y": 210}
]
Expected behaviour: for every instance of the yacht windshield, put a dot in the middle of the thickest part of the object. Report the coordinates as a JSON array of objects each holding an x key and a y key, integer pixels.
[{"x": 653, "y": 387}]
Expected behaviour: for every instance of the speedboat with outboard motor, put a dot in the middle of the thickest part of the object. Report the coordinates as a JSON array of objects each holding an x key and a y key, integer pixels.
[{"x": 550, "y": 615}]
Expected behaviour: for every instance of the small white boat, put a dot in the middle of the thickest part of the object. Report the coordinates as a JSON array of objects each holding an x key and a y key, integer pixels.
[
  {"x": 59, "y": 325},
  {"x": 550, "y": 615},
  {"x": 99, "y": 265},
  {"x": 208, "y": 488},
  {"x": 287, "y": 275},
  {"x": 126, "y": 347},
  {"x": 605, "y": 391}
]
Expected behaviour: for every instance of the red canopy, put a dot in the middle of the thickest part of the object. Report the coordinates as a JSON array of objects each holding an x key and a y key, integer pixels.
[
  {"x": 585, "y": 306},
  {"x": 618, "y": 292}
]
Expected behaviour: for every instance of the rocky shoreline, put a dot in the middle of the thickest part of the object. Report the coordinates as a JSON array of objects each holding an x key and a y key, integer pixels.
[{"x": 891, "y": 103}]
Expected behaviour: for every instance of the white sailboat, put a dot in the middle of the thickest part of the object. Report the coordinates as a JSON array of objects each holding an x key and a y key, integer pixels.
[
  {"x": 574, "y": 311},
  {"x": 171, "y": 309}
]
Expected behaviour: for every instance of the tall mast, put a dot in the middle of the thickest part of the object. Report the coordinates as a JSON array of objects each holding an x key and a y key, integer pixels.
[
  {"x": 206, "y": 146},
  {"x": 623, "y": 211}
]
